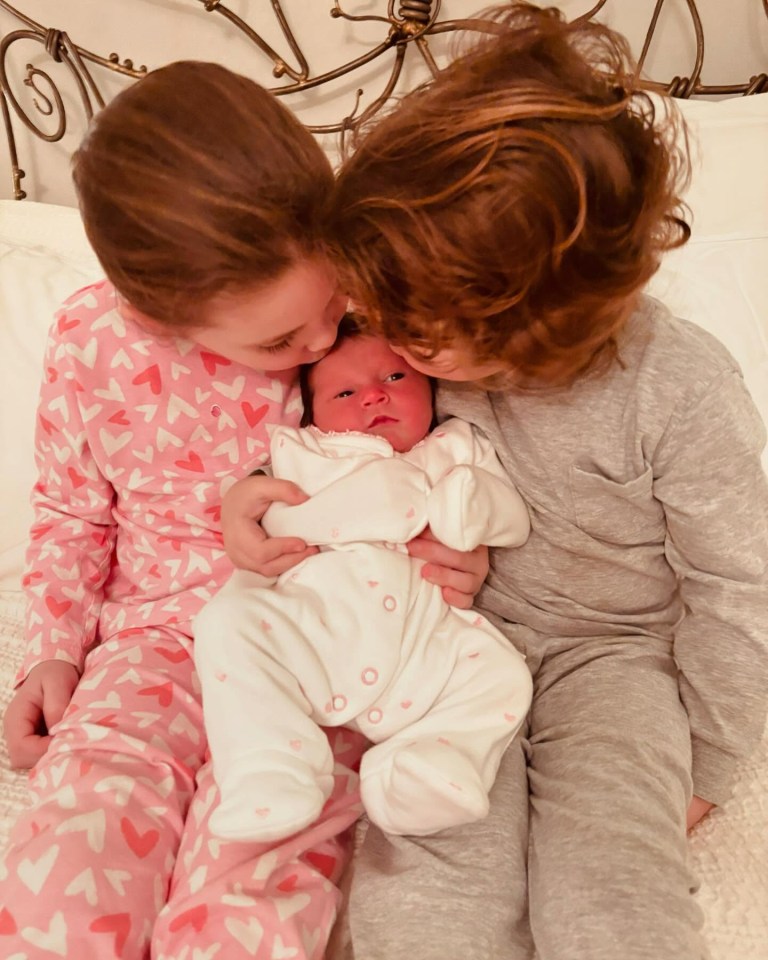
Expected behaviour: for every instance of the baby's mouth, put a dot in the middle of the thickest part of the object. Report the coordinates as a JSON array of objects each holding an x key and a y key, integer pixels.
[{"x": 378, "y": 421}]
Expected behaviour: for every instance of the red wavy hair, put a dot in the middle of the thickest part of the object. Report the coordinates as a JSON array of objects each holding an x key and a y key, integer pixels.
[{"x": 515, "y": 206}]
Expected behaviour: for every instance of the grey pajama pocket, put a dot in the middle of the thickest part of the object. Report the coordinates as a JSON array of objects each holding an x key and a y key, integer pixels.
[{"x": 619, "y": 513}]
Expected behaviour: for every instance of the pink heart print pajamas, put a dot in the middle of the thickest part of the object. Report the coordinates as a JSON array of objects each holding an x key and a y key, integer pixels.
[{"x": 136, "y": 439}]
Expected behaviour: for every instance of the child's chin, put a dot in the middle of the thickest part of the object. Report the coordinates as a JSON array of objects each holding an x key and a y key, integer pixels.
[{"x": 400, "y": 444}]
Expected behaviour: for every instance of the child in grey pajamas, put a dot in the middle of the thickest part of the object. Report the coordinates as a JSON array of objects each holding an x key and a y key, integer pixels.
[
  {"x": 354, "y": 635},
  {"x": 501, "y": 222}
]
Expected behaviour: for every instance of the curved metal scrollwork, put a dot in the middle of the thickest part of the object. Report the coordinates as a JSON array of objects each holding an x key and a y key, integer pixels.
[
  {"x": 407, "y": 25},
  {"x": 47, "y": 99}
]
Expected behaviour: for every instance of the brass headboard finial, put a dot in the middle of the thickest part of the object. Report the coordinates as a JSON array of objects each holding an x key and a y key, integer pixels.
[{"x": 407, "y": 27}]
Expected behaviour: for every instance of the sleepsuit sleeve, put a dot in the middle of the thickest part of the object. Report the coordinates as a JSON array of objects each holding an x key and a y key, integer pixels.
[
  {"x": 472, "y": 501},
  {"x": 709, "y": 478},
  {"x": 359, "y": 496},
  {"x": 73, "y": 532}
]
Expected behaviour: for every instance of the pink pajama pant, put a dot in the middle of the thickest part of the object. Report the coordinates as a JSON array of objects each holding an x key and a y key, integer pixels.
[{"x": 114, "y": 857}]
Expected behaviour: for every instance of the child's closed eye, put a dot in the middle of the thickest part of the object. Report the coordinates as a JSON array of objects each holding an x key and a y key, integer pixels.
[{"x": 280, "y": 345}]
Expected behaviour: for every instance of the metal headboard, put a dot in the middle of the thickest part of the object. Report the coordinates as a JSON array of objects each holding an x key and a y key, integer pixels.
[{"x": 407, "y": 28}]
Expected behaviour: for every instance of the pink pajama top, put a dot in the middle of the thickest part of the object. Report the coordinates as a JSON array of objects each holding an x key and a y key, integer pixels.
[{"x": 137, "y": 439}]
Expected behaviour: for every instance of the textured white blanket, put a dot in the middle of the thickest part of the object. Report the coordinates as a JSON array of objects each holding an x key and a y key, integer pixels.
[{"x": 729, "y": 850}]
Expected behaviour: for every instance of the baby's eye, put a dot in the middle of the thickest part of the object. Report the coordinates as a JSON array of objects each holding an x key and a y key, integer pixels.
[
  {"x": 394, "y": 376},
  {"x": 343, "y": 394}
]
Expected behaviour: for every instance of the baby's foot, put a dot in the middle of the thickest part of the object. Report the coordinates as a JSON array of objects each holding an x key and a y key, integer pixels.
[
  {"x": 421, "y": 788},
  {"x": 265, "y": 805}
]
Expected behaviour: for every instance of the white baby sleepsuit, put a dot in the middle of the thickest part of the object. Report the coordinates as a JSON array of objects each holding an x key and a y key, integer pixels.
[{"x": 354, "y": 636}]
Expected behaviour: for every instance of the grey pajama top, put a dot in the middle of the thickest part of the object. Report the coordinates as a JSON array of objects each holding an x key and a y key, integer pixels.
[{"x": 649, "y": 513}]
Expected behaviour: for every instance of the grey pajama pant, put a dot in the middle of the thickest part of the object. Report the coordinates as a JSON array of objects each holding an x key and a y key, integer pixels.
[{"x": 598, "y": 826}]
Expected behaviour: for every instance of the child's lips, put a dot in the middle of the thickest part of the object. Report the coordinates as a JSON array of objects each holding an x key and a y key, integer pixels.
[{"x": 380, "y": 421}]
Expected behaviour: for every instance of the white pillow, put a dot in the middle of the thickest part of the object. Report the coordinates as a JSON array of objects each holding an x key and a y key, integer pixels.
[
  {"x": 44, "y": 257},
  {"x": 729, "y": 147},
  {"x": 719, "y": 279}
]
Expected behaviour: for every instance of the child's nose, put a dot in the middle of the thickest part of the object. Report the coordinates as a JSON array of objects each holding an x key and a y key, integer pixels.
[
  {"x": 323, "y": 336},
  {"x": 374, "y": 395}
]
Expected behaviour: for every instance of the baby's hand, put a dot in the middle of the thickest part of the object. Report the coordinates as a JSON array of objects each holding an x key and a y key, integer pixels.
[
  {"x": 247, "y": 546},
  {"x": 459, "y": 574},
  {"x": 38, "y": 703}
]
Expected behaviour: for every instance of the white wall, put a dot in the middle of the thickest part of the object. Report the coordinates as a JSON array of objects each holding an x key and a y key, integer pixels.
[{"x": 153, "y": 32}]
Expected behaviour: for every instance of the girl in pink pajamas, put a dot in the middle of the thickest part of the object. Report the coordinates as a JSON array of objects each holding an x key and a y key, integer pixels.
[{"x": 158, "y": 387}]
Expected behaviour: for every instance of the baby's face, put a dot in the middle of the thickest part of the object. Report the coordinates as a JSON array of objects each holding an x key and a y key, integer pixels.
[{"x": 364, "y": 386}]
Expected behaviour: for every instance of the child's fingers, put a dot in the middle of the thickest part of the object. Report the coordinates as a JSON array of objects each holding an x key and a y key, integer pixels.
[
  {"x": 257, "y": 493},
  {"x": 472, "y": 562},
  {"x": 455, "y": 598},
  {"x": 459, "y": 573},
  {"x": 57, "y": 693},
  {"x": 270, "y": 556},
  {"x": 458, "y": 588},
  {"x": 287, "y": 560},
  {"x": 697, "y": 810},
  {"x": 22, "y": 724},
  {"x": 30, "y": 751},
  {"x": 287, "y": 492},
  {"x": 425, "y": 547}
]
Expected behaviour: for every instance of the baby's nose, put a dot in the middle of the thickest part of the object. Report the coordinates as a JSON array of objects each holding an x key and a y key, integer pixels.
[{"x": 374, "y": 395}]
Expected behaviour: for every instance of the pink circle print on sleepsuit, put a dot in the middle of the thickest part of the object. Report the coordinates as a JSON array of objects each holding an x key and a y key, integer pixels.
[{"x": 355, "y": 636}]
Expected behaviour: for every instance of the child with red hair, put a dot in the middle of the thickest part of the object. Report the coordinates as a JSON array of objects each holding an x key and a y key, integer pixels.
[{"x": 498, "y": 227}]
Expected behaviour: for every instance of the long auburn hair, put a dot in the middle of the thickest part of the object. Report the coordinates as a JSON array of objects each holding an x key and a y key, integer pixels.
[
  {"x": 515, "y": 205},
  {"x": 195, "y": 181}
]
